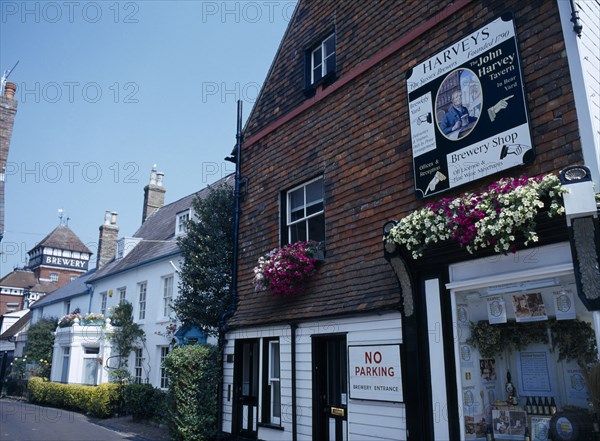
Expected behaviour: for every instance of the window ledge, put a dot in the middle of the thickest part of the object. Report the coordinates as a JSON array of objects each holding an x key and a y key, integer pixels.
[
  {"x": 311, "y": 89},
  {"x": 271, "y": 426}
]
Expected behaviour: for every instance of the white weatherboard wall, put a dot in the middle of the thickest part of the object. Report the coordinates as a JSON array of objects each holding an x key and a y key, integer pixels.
[
  {"x": 584, "y": 66},
  {"x": 367, "y": 420}
]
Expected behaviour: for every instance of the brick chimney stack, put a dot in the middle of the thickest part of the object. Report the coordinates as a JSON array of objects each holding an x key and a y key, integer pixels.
[
  {"x": 107, "y": 242},
  {"x": 8, "y": 110},
  {"x": 154, "y": 194}
]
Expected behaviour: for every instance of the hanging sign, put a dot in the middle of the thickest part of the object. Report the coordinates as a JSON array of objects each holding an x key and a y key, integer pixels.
[
  {"x": 467, "y": 110},
  {"x": 564, "y": 305},
  {"x": 496, "y": 309},
  {"x": 375, "y": 372}
]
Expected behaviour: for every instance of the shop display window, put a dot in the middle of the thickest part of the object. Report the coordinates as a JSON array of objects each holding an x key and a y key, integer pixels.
[{"x": 520, "y": 350}]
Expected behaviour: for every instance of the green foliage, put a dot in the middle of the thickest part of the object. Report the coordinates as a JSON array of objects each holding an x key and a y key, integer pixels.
[
  {"x": 207, "y": 251},
  {"x": 574, "y": 339},
  {"x": 130, "y": 334},
  {"x": 194, "y": 374},
  {"x": 144, "y": 402},
  {"x": 40, "y": 344},
  {"x": 120, "y": 375},
  {"x": 100, "y": 401}
]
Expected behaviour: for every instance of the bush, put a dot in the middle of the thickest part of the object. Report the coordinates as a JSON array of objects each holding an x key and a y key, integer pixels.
[
  {"x": 144, "y": 402},
  {"x": 193, "y": 374},
  {"x": 15, "y": 387},
  {"x": 100, "y": 401}
]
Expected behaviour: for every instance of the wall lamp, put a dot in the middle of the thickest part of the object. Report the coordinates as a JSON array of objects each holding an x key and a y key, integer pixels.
[{"x": 584, "y": 232}]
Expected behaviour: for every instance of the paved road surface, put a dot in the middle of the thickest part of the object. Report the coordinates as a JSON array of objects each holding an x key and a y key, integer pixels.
[{"x": 20, "y": 421}]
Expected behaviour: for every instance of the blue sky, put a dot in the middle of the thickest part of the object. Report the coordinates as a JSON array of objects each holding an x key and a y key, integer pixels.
[{"x": 106, "y": 89}]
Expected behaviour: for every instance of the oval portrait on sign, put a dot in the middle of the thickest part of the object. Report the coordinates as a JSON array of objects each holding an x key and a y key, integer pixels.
[{"x": 458, "y": 104}]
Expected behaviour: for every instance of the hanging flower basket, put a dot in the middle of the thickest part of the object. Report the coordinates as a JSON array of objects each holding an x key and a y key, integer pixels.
[
  {"x": 286, "y": 271},
  {"x": 494, "y": 218}
]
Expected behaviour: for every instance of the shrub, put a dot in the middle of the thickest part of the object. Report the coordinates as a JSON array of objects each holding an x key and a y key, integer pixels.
[
  {"x": 144, "y": 402},
  {"x": 193, "y": 374},
  {"x": 100, "y": 401}
]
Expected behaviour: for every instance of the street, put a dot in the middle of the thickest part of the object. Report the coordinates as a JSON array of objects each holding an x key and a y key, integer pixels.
[{"x": 20, "y": 421}]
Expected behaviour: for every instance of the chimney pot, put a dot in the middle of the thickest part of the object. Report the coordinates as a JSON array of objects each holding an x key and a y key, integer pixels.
[
  {"x": 153, "y": 175},
  {"x": 154, "y": 194},
  {"x": 107, "y": 241},
  {"x": 9, "y": 90}
]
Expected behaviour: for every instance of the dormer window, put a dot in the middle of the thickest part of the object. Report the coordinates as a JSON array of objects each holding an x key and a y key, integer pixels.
[
  {"x": 181, "y": 222},
  {"x": 321, "y": 61},
  {"x": 120, "y": 248},
  {"x": 125, "y": 245}
]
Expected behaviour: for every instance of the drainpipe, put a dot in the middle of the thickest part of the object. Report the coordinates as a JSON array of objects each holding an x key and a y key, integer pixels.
[
  {"x": 577, "y": 26},
  {"x": 237, "y": 160},
  {"x": 91, "y": 293},
  {"x": 293, "y": 327}
]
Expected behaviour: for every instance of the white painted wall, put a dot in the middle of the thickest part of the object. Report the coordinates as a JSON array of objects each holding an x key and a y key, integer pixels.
[
  {"x": 584, "y": 66},
  {"x": 372, "y": 420},
  {"x": 155, "y": 320},
  {"x": 58, "y": 309},
  {"x": 77, "y": 338}
]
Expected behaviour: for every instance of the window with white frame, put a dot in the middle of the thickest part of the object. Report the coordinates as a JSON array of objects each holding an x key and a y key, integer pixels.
[
  {"x": 120, "y": 248},
  {"x": 305, "y": 217},
  {"x": 122, "y": 294},
  {"x": 139, "y": 361},
  {"x": 142, "y": 286},
  {"x": 64, "y": 374},
  {"x": 167, "y": 294},
  {"x": 322, "y": 60},
  {"x": 54, "y": 277},
  {"x": 103, "y": 296},
  {"x": 90, "y": 365},
  {"x": 271, "y": 404},
  {"x": 67, "y": 307},
  {"x": 181, "y": 222},
  {"x": 164, "y": 381}
]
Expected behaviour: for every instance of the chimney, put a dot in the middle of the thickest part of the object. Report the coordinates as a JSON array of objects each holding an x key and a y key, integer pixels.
[
  {"x": 107, "y": 242},
  {"x": 154, "y": 194},
  {"x": 9, "y": 90},
  {"x": 8, "y": 111}
]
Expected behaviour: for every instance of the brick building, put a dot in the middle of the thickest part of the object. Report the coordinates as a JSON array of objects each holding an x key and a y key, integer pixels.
[
  {"x": 8, "y": 111},
  {"x": 359, "y": 123},
  {"x": 56, "y": 260}
]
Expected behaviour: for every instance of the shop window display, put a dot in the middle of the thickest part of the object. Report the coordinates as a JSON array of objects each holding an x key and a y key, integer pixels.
[{"x": 523, "y": 353}]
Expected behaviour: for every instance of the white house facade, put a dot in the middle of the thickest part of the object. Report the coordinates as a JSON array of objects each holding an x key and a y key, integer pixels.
[{"x": 141, "y": 270}]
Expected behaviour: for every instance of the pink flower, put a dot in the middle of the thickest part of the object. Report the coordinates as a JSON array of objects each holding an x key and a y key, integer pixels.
[{"x": 287, "y": 270}]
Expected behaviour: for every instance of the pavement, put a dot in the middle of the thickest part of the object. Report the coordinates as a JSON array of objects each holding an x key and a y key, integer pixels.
[{"x": 134, "y": 430}]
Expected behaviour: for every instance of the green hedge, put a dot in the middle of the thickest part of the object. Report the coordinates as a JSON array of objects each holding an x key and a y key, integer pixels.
[
  {"x": 193, "y": 373},
  {"x": 100, "y": 401},
  {"x": 144, "y": 402}
]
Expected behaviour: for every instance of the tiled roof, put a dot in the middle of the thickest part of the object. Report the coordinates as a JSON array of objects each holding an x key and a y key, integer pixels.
[
  {"x": 62, "y": 237},
  {"x": 264, "y": 308},
  {"x": 44, "y": 286},
  {"x": 71, "y": 289},
  {"x": 17, "y": 327},
  {"x": 157, "y": 233},
  {"x": 19, "y": 279}
]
